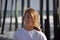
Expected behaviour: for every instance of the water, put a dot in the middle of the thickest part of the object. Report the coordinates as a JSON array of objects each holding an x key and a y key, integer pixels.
[
  {"x": 19, "y": 13},
  {"x": 7, "y": 22}
]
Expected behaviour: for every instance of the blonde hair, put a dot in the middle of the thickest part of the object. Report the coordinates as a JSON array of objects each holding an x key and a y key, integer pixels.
[{"x": 35, "y": 18}]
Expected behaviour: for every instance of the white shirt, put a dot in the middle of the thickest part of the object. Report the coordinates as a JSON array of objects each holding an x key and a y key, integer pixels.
[{"x": 23, "y": 34}]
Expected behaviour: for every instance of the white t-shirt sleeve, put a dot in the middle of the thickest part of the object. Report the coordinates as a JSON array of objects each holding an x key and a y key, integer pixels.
[
  {"x": 42, "y": 36},
  {"x": 15, "y": 37}
]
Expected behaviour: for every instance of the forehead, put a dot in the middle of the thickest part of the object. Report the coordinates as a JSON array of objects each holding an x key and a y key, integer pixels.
[{"x": 27, "y": 13}]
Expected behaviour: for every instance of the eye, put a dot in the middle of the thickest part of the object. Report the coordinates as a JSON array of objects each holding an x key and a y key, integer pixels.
[{"x": 28, "y": 16}]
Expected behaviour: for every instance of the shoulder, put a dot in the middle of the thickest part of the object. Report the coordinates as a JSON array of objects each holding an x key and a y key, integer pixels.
[
  {"x": 41, "y": 33},
  {"x": 17, "y": 34},
  {"x": 19, "y": 31},
  {"x": 42, "y": 36}
]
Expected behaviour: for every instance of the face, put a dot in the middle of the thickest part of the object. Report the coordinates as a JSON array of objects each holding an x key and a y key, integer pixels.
[{"x": 28, "y": 20}]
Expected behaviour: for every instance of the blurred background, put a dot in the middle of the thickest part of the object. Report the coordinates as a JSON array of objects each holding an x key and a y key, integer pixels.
[{"x": 11, "y": 12}]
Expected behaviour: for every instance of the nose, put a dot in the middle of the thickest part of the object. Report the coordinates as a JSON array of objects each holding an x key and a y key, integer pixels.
[{"x": 28, "y": 19}]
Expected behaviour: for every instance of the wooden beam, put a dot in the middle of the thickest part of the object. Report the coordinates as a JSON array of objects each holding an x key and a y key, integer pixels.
[
  {"x": 2, "y": 30},
  {"x": 28, "y": 3},
  {"x": 41, "y": 13},
  {"x": 22, "y": 8}
]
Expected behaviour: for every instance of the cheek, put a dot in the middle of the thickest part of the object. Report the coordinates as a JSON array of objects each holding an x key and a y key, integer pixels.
[{"x": 31, "y": 22}]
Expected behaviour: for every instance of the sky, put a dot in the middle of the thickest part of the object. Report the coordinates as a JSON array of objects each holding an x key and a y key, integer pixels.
[{"x": 33, "y": 4}]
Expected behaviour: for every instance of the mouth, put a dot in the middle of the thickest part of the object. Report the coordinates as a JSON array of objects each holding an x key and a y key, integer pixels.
[{"x": 28, "y": 23}]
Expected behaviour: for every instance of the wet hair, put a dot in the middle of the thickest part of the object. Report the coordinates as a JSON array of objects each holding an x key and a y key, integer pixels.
[{"x": 35, "y": 18}]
